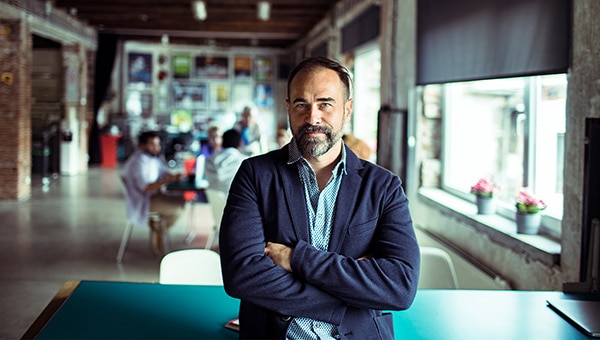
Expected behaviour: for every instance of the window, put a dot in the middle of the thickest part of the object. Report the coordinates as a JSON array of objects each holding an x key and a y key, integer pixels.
[
  {"x": 367, "y": 74},
  {"x": 512, "y": 130}
]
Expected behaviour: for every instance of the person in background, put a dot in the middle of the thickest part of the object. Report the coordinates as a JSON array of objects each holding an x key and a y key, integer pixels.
[
  {"x": 252, "y": 138},
  {"x": 314, "y": 241},
  {"x": 360, "y": 148},
  {"x": 215, "y": 140},
  {"x": 143, "y": 174},
  {"x": 221, "y": 167},
  {"x": 283, "y": 137}
]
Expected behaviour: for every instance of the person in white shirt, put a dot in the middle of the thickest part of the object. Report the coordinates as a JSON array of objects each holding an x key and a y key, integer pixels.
[
  {"x": 253, "y": 142},
  {"x": 144, "y": 173},
  {"x": 221, "y": 167}
]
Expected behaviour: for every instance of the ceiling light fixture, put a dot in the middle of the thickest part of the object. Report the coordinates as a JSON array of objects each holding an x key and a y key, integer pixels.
[
  {"x": 199, "y": 9},
  {"x": 263, "y": 10}
]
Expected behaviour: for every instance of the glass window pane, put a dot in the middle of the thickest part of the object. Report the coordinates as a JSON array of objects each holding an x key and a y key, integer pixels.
[
  {"x": 549, "y": 141},
  {"x": 511, "y": 130},
  {"x": 484, "y": 130}
]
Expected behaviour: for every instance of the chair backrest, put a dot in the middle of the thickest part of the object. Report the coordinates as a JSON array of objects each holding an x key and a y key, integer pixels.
[
  {"x": 437, "y": 270},
  {"x": 217, "y": 200},
  {"x": 192, "y": 267}
]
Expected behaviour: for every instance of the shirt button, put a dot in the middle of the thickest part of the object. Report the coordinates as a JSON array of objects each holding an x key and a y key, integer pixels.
[{"x": 286, "y": 318}]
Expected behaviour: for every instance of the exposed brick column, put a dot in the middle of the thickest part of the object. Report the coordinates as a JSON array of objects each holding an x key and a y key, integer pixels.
[{"x": 15, "y": 110}]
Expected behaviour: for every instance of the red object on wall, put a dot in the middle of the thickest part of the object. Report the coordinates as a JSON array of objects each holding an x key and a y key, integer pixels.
[{"x": 108, "y": 145}]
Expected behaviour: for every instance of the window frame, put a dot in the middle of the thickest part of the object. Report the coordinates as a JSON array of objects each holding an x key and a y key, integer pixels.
[{"x": 551, "y": 223}]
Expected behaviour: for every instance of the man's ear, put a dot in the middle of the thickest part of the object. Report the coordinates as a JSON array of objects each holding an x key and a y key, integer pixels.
[{"x": 348, "y": 110}]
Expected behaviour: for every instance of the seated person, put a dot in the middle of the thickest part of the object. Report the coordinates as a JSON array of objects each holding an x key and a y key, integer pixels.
[
  {"x": 360, "y": 148},
  {"x": 253, "y": 142},
  {"x": 221, "y": 167},
  {"x": 144, "y": 173},
  {"x": 214, "y": 142}
]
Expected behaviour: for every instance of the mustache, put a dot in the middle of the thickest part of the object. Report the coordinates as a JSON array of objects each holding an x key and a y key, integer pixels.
[{"x": 307, "y": 128}]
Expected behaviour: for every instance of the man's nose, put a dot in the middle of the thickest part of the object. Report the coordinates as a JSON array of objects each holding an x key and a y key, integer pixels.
[{"x": 314, "y": 116}]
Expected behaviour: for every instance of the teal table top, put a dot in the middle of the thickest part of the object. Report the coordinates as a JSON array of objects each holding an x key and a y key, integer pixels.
[
  {"x": 126, "y": 310},
  {"x": 109, "y": 310}
]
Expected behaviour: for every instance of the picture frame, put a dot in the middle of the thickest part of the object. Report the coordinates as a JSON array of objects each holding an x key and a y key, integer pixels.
[
  {"x": 264, "y": 68},
  {"x": 182, "y": 65},
  {"x": 219, "y": 95},
  {"x": 242, "y": 68},
  {"x": 210, "y": 67},
  {"x": 189, "y": 95},
  {"x": 139, "y": 68}
]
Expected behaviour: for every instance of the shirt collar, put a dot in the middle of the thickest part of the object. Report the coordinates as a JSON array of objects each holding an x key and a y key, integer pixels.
[{"x": 295, "y": 155}]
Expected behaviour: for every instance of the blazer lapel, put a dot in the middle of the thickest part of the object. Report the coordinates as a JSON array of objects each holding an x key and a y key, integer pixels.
[
  {"x": 346, "y": 201},
  {"x": 294, "y": 197}
]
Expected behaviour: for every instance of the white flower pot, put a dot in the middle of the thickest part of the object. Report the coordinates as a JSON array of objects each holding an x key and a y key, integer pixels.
[
  {"x": 528, "y": 223},
  {"x": 485, "y": 205}
]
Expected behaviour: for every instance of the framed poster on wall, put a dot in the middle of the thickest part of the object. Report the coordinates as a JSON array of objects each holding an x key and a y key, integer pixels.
[
  {"x": 139, "y": 68},
  {"x": 263, "y": 68},
  {"x": 242, "y": 68},
  {"x": 188, "y": 95},
  {"x": 219, "y": 95},
  {"x": 209, "y": 67},
  {"x": 182, "y": 65},
  {"x": 263, "y": 96}
]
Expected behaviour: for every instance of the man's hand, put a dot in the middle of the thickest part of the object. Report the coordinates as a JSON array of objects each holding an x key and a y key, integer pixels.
[{"x": 280, "y": 254}]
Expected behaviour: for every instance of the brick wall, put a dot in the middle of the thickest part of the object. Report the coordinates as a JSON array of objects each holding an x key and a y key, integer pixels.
[{"x": 15, "y": 110}]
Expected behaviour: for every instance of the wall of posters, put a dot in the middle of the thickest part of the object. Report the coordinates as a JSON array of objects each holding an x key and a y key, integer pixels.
[{"x": 190, "y": 88}]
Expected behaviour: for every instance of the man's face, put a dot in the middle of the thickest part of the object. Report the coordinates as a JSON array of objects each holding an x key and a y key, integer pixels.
[
  {"x": 247, "y": 117},
  {"x": 152, "y": 146},
  {"x": 215, "y": 139},
  {"x": 317, "y": 110}
]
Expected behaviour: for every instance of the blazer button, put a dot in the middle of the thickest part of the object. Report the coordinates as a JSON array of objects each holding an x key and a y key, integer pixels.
[{"x": 286, "y": 318}]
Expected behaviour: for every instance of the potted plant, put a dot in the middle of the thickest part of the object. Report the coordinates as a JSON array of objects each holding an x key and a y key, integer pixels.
[
  {"x": 528, "y": 216},
  {"x": 484, "y": 194}
]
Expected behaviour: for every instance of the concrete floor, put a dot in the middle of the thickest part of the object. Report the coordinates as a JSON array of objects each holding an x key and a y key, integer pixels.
[{"x": 72, "y": 231}]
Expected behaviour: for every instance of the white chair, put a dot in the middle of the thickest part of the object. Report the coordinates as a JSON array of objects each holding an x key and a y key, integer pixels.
[
  {"x": 437, "y": 270},
  {"x": 127, "y": 231},
  {"x": 217, "y": 200},
  {"x": 158, "y": 233},
  {"x": 192, "y": 267}
]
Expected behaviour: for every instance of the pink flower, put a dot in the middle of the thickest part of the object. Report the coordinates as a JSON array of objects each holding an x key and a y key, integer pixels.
[
  {"x": 529, "y": 204},
  {"x": 484, "y": 188}
]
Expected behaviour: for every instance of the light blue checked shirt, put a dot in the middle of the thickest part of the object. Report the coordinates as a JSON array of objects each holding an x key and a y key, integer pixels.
[{"x": 321, "y": 209}]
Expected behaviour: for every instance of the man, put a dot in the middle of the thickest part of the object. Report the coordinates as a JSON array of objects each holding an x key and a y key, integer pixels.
[
  {"x": 144, "y": 173},
  {"x": 314, "y": 241},
  {"x": 222, "y": 166},
  {"x": 253, "y": 142},
  {"x": 214, "y": 144}
]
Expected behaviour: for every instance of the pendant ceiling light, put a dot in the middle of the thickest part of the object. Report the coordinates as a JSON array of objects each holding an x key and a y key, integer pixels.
[
  {"x": 199, "y": 8},
  {"x": 263, "y": 10}
]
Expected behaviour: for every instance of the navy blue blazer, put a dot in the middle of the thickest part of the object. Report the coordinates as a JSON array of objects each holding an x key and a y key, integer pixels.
[{"x": 266, "y": 203}]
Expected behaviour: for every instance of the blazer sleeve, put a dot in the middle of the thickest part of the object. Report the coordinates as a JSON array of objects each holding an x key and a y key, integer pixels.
[
  {"x": 386, "y": 277},
  {"x": 250, "y": 275}
]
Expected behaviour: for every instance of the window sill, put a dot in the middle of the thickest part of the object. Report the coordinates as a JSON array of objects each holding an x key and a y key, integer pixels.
[{"x": 499, "y": 229}]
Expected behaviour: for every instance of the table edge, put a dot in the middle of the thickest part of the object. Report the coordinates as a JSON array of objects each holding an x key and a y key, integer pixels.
[{"x": 53, "y": 306}]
